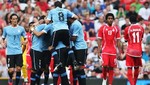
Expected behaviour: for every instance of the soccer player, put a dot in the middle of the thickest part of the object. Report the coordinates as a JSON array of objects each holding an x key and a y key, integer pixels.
[
  {"x": 36, "y": 52},
  {"x": 108, "y": 41},
  {"x": 45, "y": 60},
  {"x": 59, "y": 16},
  {"x": 133, "y": 34},
  {"x": 12, "y": 34},
  {"x": 61, "y": 55},
  {"x": 80, "y": 50}
]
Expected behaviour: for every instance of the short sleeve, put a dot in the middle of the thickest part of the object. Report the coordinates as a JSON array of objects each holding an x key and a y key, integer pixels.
[
  {"x": 70, "y": 14},
  {"x": 100, "y": 32},
  {"x": 126, "y": 33},
  {"x": 23, "y": 33},
  {"x": 47, "y": 28},
  {"x": 49, "y": 16},
  {"x": 75, "y": 30}
]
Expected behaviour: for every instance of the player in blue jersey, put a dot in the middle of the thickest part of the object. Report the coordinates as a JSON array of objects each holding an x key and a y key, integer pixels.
[
  {"x": 36, "y": 53},
  {"x": 12, "y": 41},
  {"x": 80, "y": 50},
  {"x": 59, "y": 16},
  {"x": 61, "y": 58},
  {"x": 46, "y": 54}
]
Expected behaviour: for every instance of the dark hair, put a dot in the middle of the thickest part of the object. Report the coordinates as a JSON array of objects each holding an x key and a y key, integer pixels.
[
  {"x": 31, "y": 23},
  {"x": 140, "y": 19},
  {"x": 58, "y": 4},
  {"x": 95, "y": 47},
  {"x": 133, "y": 19},
  {"x": 14, "y": 15},
  {"x": 42, "y": 17},
  {"x": 146, "y": 3},
  {"x": 109, "y": 14}
]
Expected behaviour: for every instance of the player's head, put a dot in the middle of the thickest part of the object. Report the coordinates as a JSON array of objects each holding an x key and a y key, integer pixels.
[
  {"x": 109, "y": 18},
  {"x": 133, "y": 19},
  {"x": 14, "y": 19},
  {"x": 42, "y": 19},
  {"x": 58, "y": 4}
]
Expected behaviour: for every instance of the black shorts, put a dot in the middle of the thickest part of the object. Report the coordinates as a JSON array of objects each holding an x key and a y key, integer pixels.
[
  {"x": 14, "y": 60},
  {"x": 36, "y": 59},
  {"x": 63, "y": 56},
  {"x": 45, "y": 59},
  {"x": 80, "y": 56},
  {"x": 60, "y": 35}
]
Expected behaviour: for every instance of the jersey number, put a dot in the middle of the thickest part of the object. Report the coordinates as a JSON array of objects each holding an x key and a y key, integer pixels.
[
  {"x": 61, "y": 16},
  {"x": 136, "y": 37}
]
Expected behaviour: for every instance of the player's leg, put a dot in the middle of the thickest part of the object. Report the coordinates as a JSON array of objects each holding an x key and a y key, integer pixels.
[
  {"x": 11, "y": 66},
  {"x": 71, "y": 57},
  {"x": 137, "y": 63},
  {"x": 105, "y": 63},
  {"x": 112, "y": 65},
  {"x": 81, "y": 57},
  {"x": 19, "y": 64},
  {"x": 40, "y": 67},
  {"x": 130, "y": 64},
  {"x": 35, "y": 65},
  {"x": 64, "y": 78},
  {"x": 65, "y": 37},
  {"x": 54, "y": 40},
  {"x": 29, "y": 66},
  {"x": 24, "y": 68},
  {"x": 46, "y": 62}
]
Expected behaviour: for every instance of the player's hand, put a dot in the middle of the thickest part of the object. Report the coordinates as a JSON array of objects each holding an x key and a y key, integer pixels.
[
  {"x": 3, "y": 44},
  {"x": 24, "y": 42}
]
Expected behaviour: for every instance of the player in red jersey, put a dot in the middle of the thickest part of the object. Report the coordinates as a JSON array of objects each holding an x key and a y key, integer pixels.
[
  {"x": 133, "y": 34},
  {"x": 28, "y": 47},
  {"x": 108, "y": 41}
]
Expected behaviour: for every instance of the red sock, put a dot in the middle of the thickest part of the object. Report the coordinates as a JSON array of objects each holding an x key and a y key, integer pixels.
[
  {"x": 130, "y": 77},
  {"x": 136, "y": 73},
  {"x": 110, "y": 78},
  {"x": 104, "y": 73},
  {"x": 59, "y": 80}
]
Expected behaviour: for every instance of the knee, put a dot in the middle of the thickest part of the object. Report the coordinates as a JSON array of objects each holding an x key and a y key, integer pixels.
[
  {"x": 11, "y": 70},
  {"x": 18, "y": 69}
]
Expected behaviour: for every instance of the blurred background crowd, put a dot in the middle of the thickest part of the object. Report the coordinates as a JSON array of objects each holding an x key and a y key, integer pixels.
[{"x": 92, "y": 15}]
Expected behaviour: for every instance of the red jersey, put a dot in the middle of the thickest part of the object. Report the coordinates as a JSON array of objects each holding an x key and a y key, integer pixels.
[
  {"x": 134, "y": 34},
  {"x": 29, "y": 38},
  {"x": 109, "y": 36}
]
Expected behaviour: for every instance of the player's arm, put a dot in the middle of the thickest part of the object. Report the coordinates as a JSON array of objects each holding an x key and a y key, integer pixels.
[
  {"x": 44, "y": 31},
  {"x": 99, "y": 40},
  {"x": 3, "y": 42},
  {"x": 118, "y": 36},
  {"x": 75, "y": 32},
  {"x": 126, "y": 33}
]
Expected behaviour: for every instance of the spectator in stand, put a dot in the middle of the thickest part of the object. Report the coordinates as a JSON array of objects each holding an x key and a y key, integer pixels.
[
  {"x": 118, "y": 74},
  {"x": 7, "y": 18},
  {"x": 141, "y": 22},
  {"x": 91, "y": 6},
  {"x": 89, "y": 26},
  {"x": 132, "y": 12},
  {"x": 145, "y": 11},
  {"x": 109, "y": 9},
  {"x": 137, "y": 5},
  {"x": 83, "y": 10},
  {"x": 98, "y": 11},
  {"x": 121, "y": 13},
  {"x": 3, "y": 10},
  {"x": 3, "y": 68},
  {"x": 98, "y": 23},
  {"x": 43, "y": 5},
  {"x": 146, "y": 53},
  {"x": 127, "y": 23},
  {"x": 146, "y": 34}
]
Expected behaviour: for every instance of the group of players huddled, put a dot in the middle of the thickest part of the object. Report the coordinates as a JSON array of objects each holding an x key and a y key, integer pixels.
[{"x": 59, "y": 38}]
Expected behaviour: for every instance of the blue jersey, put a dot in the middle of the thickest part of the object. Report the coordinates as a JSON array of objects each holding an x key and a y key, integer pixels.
[
  {"x": 47, "y": 37},
  {"x": 76, "y": 30},
  {"x": 59, "y": 17},
  {"x": 13, "y": 39},
  {"x": 37, "y": 42}
]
